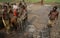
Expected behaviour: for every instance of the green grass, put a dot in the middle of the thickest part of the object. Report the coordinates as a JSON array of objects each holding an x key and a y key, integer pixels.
[
  {"x": 50, "y": 1},
  {"x": 5, "y": 0},
  {"x": 32, "y": 1},
  {"x": 46, "y": 1}
]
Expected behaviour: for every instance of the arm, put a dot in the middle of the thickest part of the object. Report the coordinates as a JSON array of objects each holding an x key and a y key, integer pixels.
[
  {"x": 57, "y": 15},
  {"x": 49, "y": 14}
]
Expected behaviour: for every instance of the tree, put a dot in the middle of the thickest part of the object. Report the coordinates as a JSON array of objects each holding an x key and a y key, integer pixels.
[
  {"x": 41, "y": 2},
  {"x": 23, "y": 0}
]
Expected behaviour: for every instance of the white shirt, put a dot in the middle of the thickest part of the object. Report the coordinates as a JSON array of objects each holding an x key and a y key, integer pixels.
[{"x": 15, "y": 7}]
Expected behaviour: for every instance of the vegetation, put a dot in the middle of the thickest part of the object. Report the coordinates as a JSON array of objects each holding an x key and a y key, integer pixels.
[
  {"x": 32, "y": 1},
  {"x": 5, "y": 0},
  {"x": 45, "y": 1}
]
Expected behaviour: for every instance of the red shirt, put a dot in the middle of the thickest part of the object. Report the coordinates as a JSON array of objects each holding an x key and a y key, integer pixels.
[{"x": 15, "y": 13}]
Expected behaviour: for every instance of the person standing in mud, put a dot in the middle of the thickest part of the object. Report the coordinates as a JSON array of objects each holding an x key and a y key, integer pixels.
[
  {"x": 53, "y": 16},
  {"x": 14, "y": 18},
  {"x": 10, "y": 13},
  {"x": 5, "y": 18},
  {"x": 24, "y": 16}
]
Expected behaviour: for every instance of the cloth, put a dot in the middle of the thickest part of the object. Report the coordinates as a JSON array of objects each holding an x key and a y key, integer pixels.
[
  {"x": 15, "y": 7},
  {"x": 51, "y": 22},
  {"x": 5, "y": 16},
  {"x": 14, "y": 12},
  {"x": 6, "y": 24}
]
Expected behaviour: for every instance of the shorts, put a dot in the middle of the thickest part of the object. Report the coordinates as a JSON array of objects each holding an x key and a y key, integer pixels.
[
  {"x": 6, "y": 24},
  {"x": 51, "y": 22}
]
